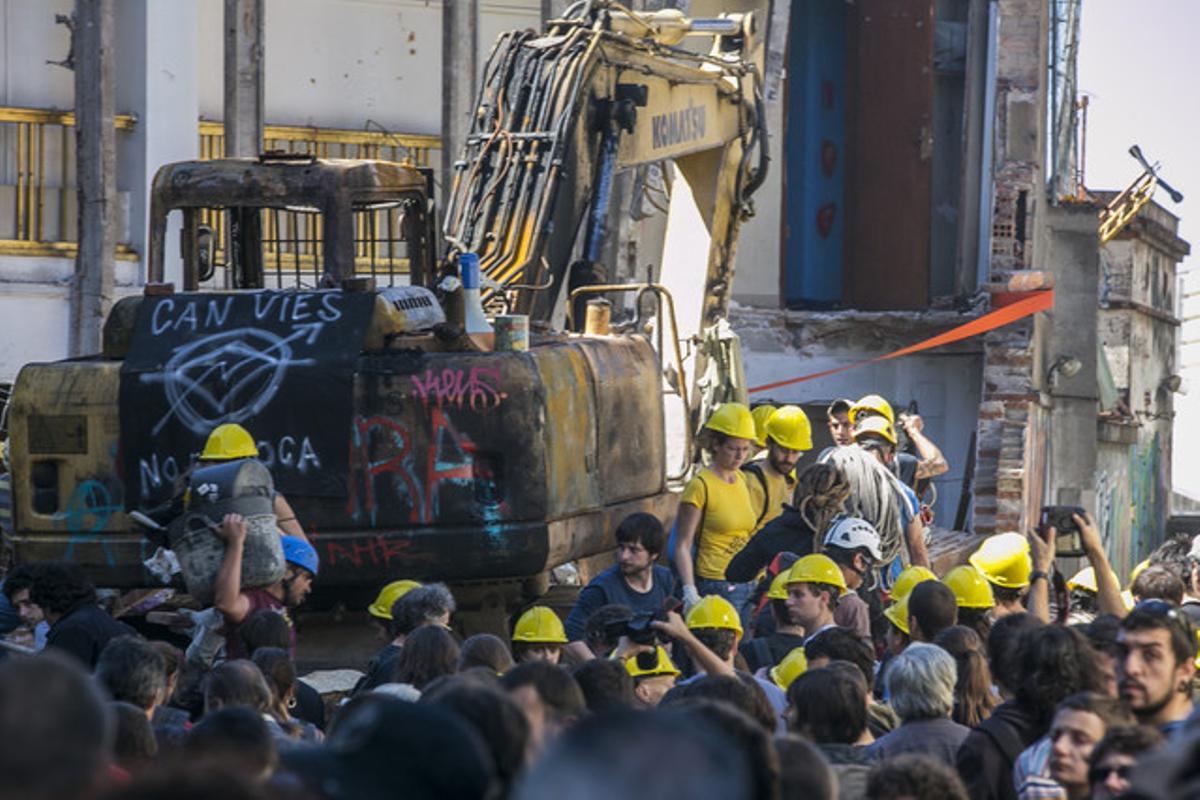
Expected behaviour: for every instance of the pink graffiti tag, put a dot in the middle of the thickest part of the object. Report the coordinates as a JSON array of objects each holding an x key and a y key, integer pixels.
[
  {"x": 477, "y": 388},
  {"x": 378, "y": 551}
]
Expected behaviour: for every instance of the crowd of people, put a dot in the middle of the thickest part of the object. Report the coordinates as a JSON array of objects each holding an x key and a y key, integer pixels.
[{"x": 787, "y": 637}]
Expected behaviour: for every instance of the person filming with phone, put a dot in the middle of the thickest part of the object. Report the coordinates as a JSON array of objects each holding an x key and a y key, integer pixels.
[{"x": 1069, "y": 531}]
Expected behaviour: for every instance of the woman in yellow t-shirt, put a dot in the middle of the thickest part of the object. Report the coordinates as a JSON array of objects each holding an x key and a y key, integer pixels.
[{"x": 715, "y": 511}]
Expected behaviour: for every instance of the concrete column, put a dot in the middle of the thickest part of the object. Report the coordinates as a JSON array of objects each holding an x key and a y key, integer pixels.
[
  {"x": 96, "y": 159},
  {"x": 1073, "y": 253},
  {"x": 460, "y": 72},
  {"x": 157, "y": 66},
  {"x": 244, "y": 70}
]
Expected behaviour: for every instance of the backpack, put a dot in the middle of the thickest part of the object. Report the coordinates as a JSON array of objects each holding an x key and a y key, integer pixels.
[
  {"x": 672, "y": 539},
  {"x": 782, "y": 561},
  {"x": 755, "y": 469}
]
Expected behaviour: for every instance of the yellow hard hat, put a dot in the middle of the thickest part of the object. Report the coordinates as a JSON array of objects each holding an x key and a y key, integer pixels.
[
  {"x": 875, "y": 426},
  {"x": 1004, "y": 560},
  {"x": 229, "y": 442},
  {"x": 388, "y": 595},
  {"x": 897, "y": 614},
  {"x": 971, "y": 589},
  {"x": 761, "y": 414},
  {"x": 778, "y": 590},
  {"x": 793, "y": 665},
  {"x": 875, "y": 403},
  {"x": 1085, "y": 579},
  {"x": 733, "y": 419},
  {"x": 1138, "y": 570},
  {"x": 540, "y": 625},
  {"x": 909, "y": 578},
  {"x": 788, "y": 427},
  {"x": 662, "y": 666},
  {"x": 817, "y": 568},
  {"x": 714, "y": 611}
]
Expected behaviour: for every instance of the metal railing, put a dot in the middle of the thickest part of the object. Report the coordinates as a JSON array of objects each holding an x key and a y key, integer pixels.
[
  {"x": 292, "y": 239},
  {"x": 37, "y": 182}
]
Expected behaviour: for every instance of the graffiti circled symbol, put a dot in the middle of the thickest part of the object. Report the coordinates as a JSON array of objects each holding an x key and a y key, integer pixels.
[
  {"x": 227, "y": 377},
  {"x": 89, "y": 508}
]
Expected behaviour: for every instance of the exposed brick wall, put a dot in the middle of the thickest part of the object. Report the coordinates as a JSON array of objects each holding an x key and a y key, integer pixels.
[{"x": 1009, "y": 438}]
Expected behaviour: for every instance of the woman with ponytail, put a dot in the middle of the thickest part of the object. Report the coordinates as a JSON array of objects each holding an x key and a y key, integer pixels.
[{"x": 974, "y": 697}]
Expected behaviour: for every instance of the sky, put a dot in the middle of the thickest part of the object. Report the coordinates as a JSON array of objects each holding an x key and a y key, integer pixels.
[{"x": 1140, "y": 64}]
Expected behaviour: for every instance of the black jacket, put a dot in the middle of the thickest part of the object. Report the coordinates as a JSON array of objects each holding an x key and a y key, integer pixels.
[
  {"x": 986, "y": 758},
  {"x": 787, "y": 532},
  {"x": 84, "y": 631}
]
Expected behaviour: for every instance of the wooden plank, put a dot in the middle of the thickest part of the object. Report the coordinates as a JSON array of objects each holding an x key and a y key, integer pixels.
[{"x": 889, "y": 138}]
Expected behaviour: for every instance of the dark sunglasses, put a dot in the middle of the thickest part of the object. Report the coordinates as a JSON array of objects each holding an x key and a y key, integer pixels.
[
  {"x": 1164, "y": 610},
  {"x": 1100, "y": 774}
]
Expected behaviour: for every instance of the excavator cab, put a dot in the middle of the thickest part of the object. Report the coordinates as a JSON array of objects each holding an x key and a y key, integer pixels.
[{"x": 293, "y": 221}]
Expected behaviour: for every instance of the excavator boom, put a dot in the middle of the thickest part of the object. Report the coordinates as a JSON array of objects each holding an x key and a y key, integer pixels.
[{"x": 558, "y": 114}]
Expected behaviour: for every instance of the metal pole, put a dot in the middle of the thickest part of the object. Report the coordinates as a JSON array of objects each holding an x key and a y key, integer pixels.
[
  {"x": 244, "y": 78},
  {"x": 460, "y": 71},
  {"x": 96, "y": 163}
]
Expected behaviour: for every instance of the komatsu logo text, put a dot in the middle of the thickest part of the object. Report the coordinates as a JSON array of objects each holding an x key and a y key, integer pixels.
[{"x": 677, "y": 127}]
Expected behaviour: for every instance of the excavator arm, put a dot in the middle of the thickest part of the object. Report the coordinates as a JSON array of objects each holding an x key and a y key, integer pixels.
[{"x": 559, "y": 114}]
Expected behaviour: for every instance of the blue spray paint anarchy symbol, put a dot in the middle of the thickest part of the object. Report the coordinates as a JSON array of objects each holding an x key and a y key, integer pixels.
[{"x": 87, "y": 514}]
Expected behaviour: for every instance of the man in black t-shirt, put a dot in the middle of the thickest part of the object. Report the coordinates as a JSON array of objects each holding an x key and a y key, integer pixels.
[{"x": 77, "y": 623}]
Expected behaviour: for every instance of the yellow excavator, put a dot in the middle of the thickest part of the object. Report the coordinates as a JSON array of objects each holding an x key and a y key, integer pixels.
[{"x": 406, "y": 450}]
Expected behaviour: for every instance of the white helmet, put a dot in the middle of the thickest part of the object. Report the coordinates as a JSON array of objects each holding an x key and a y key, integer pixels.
[{"x": 851, "y": 533}]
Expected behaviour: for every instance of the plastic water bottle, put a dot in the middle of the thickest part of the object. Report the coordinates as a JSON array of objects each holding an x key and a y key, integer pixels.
[{"x": 475, "y": 322}]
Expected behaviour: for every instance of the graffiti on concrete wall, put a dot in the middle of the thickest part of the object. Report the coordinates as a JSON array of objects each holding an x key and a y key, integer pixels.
[
  {"x": 1105, "y": 521},
  {"x": 1147, "y": 495}
]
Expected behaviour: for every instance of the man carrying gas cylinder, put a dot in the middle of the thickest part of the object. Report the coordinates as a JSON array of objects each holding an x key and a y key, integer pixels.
[{"x": 233, "y": 602}]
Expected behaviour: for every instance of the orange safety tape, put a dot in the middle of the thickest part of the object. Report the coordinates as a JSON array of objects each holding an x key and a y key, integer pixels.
[{"x": 1035, "y": 301}]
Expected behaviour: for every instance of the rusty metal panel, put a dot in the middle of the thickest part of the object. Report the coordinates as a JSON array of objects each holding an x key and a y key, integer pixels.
[
  {"x": 630, "y": 439},
  {"x": 64, "y": 426},
  {"x": 432, "y": 443},
  {"x": 889, "y": 134},
  {"x": 58, "y": 433},
  {"x": 570, "y": 439}
]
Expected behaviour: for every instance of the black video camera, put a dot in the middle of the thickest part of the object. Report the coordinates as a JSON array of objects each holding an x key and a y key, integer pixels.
[{"x": 636, "y": 628}]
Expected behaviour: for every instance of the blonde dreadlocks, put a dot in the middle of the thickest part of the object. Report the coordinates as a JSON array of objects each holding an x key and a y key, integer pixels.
[{"x": 821, "y": 493}]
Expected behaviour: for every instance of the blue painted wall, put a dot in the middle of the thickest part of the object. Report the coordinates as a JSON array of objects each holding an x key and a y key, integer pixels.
[{"x": 814, "y": 154}]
